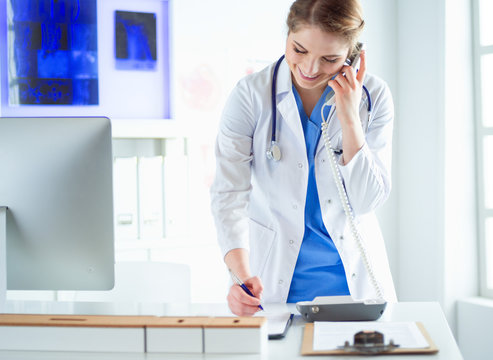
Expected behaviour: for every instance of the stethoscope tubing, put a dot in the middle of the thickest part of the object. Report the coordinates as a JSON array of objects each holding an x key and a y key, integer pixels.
[{"x": 274, "y": 107}]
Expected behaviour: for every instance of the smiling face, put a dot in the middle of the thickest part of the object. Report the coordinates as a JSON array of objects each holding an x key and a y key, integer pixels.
[{"x": 314, "y": 56}]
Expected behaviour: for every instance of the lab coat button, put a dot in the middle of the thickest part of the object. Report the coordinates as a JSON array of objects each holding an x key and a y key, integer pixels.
[
  {"x": 280, "y": 282},
  {"x": 341, "y": 237},
  {"x": 291, "y": 242},
  {"x": 353, "y": 276},
  {"x": 329, "y": 201},
  {"x": 295, "y": 206},
  {"x": 300, "y": 165}
]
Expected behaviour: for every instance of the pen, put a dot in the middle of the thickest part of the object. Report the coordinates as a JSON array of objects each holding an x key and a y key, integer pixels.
[{"x": 237, "y": 280}]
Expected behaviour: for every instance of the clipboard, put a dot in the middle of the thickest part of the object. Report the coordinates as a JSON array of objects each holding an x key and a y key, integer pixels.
[{"x": 307, "y": 345}]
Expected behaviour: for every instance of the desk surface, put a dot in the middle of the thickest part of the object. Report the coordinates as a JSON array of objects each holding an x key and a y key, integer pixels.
[{"x": 429, "y": 313}]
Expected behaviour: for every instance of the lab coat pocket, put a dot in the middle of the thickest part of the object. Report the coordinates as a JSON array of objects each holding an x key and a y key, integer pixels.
[{"x": 261, "y": 243}]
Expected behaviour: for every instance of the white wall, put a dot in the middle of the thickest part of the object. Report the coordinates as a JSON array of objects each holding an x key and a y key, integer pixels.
[
  {"x": 461, "y": 248},
  {"x": 380, "y": 38},
  {"x": 475, "y": 319},
  {"x": 421, "y": 147},
  {"x": 437, "y": 237}
]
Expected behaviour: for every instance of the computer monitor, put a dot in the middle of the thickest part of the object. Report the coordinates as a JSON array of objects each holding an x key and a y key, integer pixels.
[{"x": 56, "y": 180}]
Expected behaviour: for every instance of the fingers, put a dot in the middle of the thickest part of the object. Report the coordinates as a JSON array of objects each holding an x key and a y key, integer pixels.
[
  {"x": 349, "y": 80},
  {"x": 348, "y": 77},
  {"x": 335, "y": 86},
  {"x": 255, "y": 284},
  {"x": 241, "y": 303}
]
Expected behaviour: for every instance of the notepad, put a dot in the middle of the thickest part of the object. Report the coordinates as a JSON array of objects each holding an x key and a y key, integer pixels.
[
  {"x": 332, "y": 335},
  {"x": 278, "y": 324}
]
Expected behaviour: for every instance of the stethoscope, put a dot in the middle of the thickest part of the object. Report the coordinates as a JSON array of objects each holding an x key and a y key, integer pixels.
[{"x": 274, "y": 151}]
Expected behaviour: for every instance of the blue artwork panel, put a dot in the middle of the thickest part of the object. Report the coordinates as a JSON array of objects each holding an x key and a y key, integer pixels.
[
  {"x": 135, "y": 40},
  {"x": 53, "y": 56}
]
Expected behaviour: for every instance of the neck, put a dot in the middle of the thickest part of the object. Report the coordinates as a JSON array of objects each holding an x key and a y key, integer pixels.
[
  {"x": 310, "y": 93},
  {"x": 309, "y": 97}
]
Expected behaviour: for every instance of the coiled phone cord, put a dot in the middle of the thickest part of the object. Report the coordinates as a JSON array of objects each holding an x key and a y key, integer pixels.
[{"x": 336, "y": 173}]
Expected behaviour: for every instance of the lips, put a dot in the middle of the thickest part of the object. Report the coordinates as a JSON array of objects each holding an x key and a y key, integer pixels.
[{"x": 307, "y": 77}]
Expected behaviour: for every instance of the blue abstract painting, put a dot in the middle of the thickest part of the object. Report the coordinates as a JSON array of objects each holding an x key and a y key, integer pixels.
[
  {"x": 53, "y": 53},
  {"x": 135, "y": 40}
]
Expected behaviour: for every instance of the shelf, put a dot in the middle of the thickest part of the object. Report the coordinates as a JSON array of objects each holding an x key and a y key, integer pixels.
[{"x": 147, "y": 128}]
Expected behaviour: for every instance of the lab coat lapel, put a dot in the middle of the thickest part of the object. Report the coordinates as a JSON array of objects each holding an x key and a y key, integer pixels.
[{"x": 286, "y": 106}]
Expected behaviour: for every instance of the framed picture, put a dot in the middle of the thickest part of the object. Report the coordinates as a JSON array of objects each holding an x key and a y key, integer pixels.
[
  {"x": 85, "y": 57},
  {"x": 135, "y": 40},
  {"x": 52, "y": 52}
]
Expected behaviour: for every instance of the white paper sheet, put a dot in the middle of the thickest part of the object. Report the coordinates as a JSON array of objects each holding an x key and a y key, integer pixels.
[{"x": 331, "y": 335}]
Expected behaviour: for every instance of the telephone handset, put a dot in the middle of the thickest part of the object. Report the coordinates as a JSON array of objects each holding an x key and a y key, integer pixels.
[
  {"x": 344, "y": 308},
  {"x": 353, "y": 60}
]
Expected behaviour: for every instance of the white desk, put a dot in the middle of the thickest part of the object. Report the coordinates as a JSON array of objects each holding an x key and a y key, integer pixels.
[{"x": 429, "y": 313}]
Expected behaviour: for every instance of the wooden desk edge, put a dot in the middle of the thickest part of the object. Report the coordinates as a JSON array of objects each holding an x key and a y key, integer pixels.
[{"x": 130, "y": 321}]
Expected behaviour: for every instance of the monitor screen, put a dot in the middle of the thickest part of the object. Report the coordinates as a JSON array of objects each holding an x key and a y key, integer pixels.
[{"x": 56, "y": 180}]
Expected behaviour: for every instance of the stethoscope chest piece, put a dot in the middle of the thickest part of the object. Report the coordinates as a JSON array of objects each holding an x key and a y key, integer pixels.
[{"x": 274, "y": 152}]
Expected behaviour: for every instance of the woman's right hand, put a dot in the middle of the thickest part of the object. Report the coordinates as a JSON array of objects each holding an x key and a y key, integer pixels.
[{"x": 240, "y": 302}]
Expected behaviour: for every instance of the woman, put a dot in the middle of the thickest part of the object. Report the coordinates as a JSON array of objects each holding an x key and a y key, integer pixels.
[{"x": 280, "y": 224}]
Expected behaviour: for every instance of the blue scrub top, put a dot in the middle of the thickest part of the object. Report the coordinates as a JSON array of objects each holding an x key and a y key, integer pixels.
[{"x": 319, "y": 270}]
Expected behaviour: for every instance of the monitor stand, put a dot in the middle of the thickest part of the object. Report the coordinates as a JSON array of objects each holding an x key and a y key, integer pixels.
[{"x": 3, "y": 258}]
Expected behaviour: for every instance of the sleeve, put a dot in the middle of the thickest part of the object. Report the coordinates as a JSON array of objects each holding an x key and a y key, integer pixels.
[
  {"x": 367, "y": 177},
  {"x": 232, "y": 183}
]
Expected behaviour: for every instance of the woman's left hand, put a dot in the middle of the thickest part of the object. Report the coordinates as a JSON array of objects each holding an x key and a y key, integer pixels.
[{"x": 348, "y": 91}]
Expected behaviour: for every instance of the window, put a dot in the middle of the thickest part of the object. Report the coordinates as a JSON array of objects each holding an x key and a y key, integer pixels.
[{"x": 483, "y": 63}]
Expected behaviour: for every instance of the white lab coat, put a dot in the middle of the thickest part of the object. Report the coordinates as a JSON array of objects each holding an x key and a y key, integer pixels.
[{"x": 258, "y": 204}]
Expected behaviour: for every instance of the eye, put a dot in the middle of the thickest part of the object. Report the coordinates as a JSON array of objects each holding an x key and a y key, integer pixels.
[
  {"x": 331, "y": 61},
  {"x": 296, "y": 50}
]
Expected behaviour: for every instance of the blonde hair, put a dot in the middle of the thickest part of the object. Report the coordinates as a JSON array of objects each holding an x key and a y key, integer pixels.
[{"x": 342, "y": 17}]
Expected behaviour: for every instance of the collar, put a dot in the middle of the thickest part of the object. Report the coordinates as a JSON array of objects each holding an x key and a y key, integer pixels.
[{"x": 284, "y": 82}]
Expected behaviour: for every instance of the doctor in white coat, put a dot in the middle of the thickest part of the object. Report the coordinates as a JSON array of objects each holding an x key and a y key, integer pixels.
[{"x": 266, "y": 211}]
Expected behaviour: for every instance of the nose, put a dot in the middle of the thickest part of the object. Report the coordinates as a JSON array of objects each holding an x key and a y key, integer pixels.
[{"x": 310, "y": 66}]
